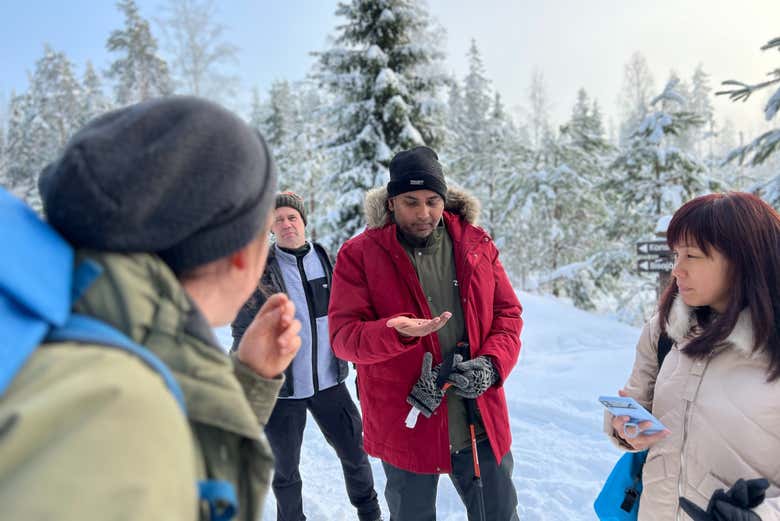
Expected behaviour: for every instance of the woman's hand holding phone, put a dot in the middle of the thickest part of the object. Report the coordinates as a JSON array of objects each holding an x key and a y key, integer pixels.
[{"x": 632, "y": 434}]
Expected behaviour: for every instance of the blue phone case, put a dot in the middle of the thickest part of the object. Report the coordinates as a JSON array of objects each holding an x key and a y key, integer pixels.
[{"x": 626, "y": 406}]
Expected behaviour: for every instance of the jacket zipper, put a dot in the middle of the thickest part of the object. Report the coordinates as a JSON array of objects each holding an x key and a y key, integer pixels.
[
  {"x": 312, "y": 323},
  {"x": 681, "y": 477}
]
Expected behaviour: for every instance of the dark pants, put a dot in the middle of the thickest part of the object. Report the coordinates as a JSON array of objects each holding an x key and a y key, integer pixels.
[
  {"x": 340, "y": 423},
  {"x": 412, "y": 497}
]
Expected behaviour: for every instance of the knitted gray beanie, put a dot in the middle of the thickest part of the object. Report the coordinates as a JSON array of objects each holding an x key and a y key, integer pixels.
[{"x": 180, "y": 176}]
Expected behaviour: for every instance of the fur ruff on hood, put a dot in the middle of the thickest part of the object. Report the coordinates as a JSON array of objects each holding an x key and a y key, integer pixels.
[
  {"x": 459, "y": 202},
  {"x": 682, "y": 320}
]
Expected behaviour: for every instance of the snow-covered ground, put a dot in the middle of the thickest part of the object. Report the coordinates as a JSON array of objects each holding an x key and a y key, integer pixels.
[{"x": 569, "y": 357}]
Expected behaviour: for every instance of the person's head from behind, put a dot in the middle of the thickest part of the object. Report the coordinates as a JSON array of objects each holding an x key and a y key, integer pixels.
[
  {"x": 289, "y": 221},
  {"x": 416, "y": 192},
  {"x": 179, "y": 177},
  {"x": 727, "y": 259}
]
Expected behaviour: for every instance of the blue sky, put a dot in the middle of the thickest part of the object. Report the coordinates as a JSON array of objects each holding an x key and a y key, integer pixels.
[{"x": 574, "y": 42}]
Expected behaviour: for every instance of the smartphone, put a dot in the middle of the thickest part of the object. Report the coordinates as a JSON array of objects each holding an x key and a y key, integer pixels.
[{"x": 627, "y": 406}]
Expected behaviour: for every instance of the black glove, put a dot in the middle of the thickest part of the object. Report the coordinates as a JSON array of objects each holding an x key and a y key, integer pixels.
[
  {"x": 472, "y": 377},
  {"x": 426, "y": 395},
  {"x": 734, "y": 505}
]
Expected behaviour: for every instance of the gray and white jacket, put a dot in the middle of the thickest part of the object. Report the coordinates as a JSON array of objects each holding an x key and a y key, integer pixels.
[{"x": 315, "y": 367}]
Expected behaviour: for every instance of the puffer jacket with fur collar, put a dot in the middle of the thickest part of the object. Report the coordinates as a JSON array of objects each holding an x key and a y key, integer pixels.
[
  {"x": 723, "y": 414},
  {"x": 374, "y": 280}
]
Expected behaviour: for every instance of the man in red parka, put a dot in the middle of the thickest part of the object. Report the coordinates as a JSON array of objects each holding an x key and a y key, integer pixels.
[{"x": 422, "y": 267}]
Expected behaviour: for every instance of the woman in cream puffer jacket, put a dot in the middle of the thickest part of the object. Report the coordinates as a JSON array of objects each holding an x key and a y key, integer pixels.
[{"x": 718, "y": 390}]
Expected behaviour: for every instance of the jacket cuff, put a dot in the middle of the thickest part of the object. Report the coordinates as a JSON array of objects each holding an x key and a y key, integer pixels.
[{"x": 261, "y": 393}]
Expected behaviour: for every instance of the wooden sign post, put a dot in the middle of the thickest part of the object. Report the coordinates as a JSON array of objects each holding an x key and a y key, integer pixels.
[{"x": 656, "y": 257}]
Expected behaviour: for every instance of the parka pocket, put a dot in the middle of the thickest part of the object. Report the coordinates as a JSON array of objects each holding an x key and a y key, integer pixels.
[
  {"x": 654, "y": 470},
  {"x": 709, "y": 484}
]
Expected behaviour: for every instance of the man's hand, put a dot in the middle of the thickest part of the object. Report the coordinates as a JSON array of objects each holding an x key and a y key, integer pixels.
[
  {"x": 426, "y": 395},
  {"x": 271, "y": 341},
  {"x": 472, "y": 377},
  {"x": 415, "y": 327},
  {"x": 735, "y": 505}
]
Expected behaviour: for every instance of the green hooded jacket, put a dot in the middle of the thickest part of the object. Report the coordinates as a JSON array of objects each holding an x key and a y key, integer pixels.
[{"x": 89, "y": 432}]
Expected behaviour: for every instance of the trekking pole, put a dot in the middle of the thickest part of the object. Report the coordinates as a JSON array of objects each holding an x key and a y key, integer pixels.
[{"x": 462, "y": 348}]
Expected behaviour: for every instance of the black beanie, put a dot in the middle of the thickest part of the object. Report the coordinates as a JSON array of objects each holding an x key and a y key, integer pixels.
[
  {"x": 292, "y": 200},
  {"x": 416, "y": 169},
  {"x": 180, "y": 176}
]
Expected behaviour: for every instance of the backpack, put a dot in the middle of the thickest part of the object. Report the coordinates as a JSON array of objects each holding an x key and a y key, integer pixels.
[
  {"x": 38, "y": 286},
  {"x": 619, "y": 498}
]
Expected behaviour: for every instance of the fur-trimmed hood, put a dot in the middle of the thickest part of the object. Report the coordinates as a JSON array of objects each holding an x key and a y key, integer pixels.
[
  {"x": 682, "y": 320},
  {"x": 459, "y": 202}
]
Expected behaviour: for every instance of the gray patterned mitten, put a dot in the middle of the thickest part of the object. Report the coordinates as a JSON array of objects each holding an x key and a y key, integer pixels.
[
  {"x": 425, "y": 395},
  {"x": 472, "y": 377}
]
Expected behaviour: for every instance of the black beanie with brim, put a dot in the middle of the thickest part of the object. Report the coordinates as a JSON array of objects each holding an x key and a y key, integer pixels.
[{"x": 181, "y": 177}]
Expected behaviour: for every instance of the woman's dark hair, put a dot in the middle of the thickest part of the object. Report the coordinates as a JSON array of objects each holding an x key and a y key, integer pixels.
[{"x": 745, "y": 230}]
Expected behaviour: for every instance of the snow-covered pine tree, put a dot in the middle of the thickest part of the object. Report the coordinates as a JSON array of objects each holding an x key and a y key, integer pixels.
[
  {"x": 257, "y": 112},
  {"x": 701, "y": 105},
  {"x": 384, "y": 71},
  {"x": 497, "y": 176},
  {"x": 200, "y": 56},
  {"x": 539, "y": 115},
  {"x": 41, "y": 122},
  {"x": 466, "y": 153},
  {"x": 686, "y": 139},
  {"x": 765, "y": 145},
  {"x": 308, "y": 157},
  {"x": 56, "y": 96},
  {"x": 635, "y": 95},
  {"x": 23, "y": 145},
  {"x": 502, "y": 163},
  {"x": 280, "y": 117},
  {"x": 93, "y": 98},
  {"x": 454, "y": 128},
  {"x": 139, "y": 72},
  {"x": 651, "y": 176},
  {"x": 570, "y": 209}
]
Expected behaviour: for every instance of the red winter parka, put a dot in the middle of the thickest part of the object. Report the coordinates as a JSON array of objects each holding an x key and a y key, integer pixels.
[{"x": 373, "y": 281}]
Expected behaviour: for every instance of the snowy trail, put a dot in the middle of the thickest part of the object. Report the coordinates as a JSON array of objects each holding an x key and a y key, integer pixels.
[{"x": 569, "y": 357}]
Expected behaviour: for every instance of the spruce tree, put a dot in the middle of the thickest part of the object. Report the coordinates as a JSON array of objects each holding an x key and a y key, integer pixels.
[
  {"x": 139, "y": 72},
  {"x": 652, "y": 175},
  {"x": 564, "y": 194},
  {"x": 701, "y": 105},
  {"x": 278, "y": 123},
  {"x": 467, "y": 160},
  {"x": 94, "y": 100},
  {"x": 450, "y": 153},
  {"x": 56, "y": 96},
  {"x": 23, "y": 145},
  {"x": 759, "y": 151},
  {"x": 41, "y": 122},
  {"x": 307, "y": 157},
  {"x": 383, "y": 71},
  {"x": 635, "y": 95},
  {"x": 257, "y": 112}
]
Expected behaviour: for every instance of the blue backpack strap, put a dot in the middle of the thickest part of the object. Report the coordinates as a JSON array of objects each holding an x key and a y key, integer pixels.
[{"x": 221, "y": 497}]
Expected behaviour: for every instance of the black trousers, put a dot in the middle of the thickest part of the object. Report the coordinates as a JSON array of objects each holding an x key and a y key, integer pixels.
[
  {"x": 340, "y": 423},
  {"x": 412, "y": 497}
]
